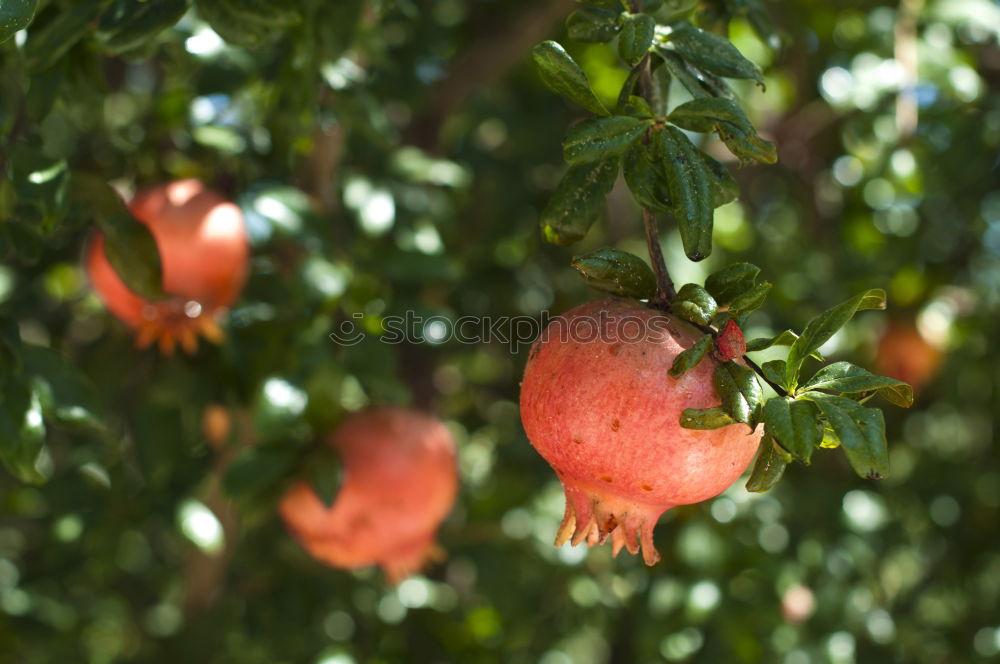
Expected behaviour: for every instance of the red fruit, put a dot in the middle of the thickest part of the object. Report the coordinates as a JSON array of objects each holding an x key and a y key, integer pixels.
[
  {"x": 904, "y": 354},
  {"x": 400, "y": 482},
  {"x": 598, "y": 405},
  {"x": 204, "y": 252}
]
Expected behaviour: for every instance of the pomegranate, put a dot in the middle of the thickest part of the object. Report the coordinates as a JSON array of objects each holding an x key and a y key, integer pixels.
[
  {"x": 904, "y": 354},
  {"x": 204, "y": 252},
  {"x": 598, "y": 405},
  {"x": 399, "y": 483}
]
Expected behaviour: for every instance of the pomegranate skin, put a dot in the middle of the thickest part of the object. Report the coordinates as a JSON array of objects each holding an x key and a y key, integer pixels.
[
  {"x": 598, "y": 405},
  {"x": 399, "y": 482},
  {"x": 204, "y": 252}
]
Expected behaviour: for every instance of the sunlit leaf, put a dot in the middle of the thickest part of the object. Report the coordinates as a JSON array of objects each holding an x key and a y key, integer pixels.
[
  {"x": 578, "y": 201},
  {"x": 616, "y": 272},
  {"x": 562, "y": 75}
]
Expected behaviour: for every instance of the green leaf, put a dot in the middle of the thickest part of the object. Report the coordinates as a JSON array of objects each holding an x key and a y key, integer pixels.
[
  {"x": 128, "y": 24},
  {"x": 267, "y": 12},
  {"x": 257, "y": 468},
  {"x": 128, "y": 244},
  {"x": 645, "y": 178},
  {"x": 861, "y": 432},
  {"x": 703, "y": 419},
  {"x": 722, "y": 188},
  {"x": 601, "y": 138},
  {"x": 593, "y": 24},
  {"x": 684, "y": 73},
  {"x": 786, "y": 338},
  {"x": 688, "y": 359},
  {"x": 15, "y": 15},
  {"x": 325, "y": 474},
  {"x": 561, "y": 74},
  {"x": 708, "y": 114},
  {"x": 637, "y": 107},
  {"x": 232, "y": 26},
  {"x": 65, "y": 393},
  {"x": 852, "y": 379},
  {"x": 819, "y": 330},
  {"x": 616, "y": 272},
  {"x": 578, "y": 201},
  {"x": 774, "y": 371},
  {"x": 636, "y": 37},
  {"x": 768, "y": 468},
  {"x": 751, "y": 300},
  {"x": 740, "y": 392},
  {"x": 55, "y": 38},
  {"x": 730, "y": 282},
  {"x": 693, "y": 303},
  {"x": 712, "y": 52},
  {"x": 690, "y": 190},
  {"x": 22, "y": 430},
  {"x": 795, "y": 425}
]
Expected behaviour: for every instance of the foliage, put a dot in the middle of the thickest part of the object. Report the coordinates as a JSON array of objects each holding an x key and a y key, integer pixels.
[{"x": 127, "y": 533}]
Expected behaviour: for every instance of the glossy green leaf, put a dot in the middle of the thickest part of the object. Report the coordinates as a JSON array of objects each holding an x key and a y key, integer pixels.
[
  {"x": 794, "y": 424},
  {"x": 786, "y": 338},
  {"x": 740, "y": 392},
  {"x": 593, "y": 24},
  {"x": 637, "y": 107},
  {"x": 852, "y": 379},
  {"x": 774, "y": 371},
  {"x": 645, "y": 177},
  {"x": 51, "y": 41},
  {"x": 703, "y": 419},
  {"x": 861, "y": 432},
  {"x": 15, "y": 15},
  {"x": 578, "y": 201},
  {"x": 730, "y": 282},
  {"x": 768, "y": 468},
  {"x": 715, "y": 114},
  {"x": 561, "y": 74},
  {"x": 712, "y": 52},
  {"x": 636, "y": 37},
  {"x": 693, "y": 303},
  {"x": 128, "y": 244},
  {"x": 722, "y": 188},
  {"x": 127, "y": 24},
  {"x": 750, "y": 300},
  {"x": 689, "y": 358},
  {"x": 684, "y": 73},
  {"x": 601, "y": 138},
  {"x": 689, "y": 185},
  {"x": 819, "y": 330},
  {"x": 616, "y": 272}
]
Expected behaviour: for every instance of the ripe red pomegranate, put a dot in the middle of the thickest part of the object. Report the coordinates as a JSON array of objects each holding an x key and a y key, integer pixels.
[
  {"x": 598, "y": 405},
  {"x": 904, "y": 354},
  {"x": 400, "y": 481},
  {"x": 204, "y": 252}
]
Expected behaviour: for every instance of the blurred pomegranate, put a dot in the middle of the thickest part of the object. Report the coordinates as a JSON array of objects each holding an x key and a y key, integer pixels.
[
  {"x": 399, "y": 483},
  {"x": 598, "y": 405},
  {"x": 904, "y": 354},
  {"x": 204, "y": 252}
]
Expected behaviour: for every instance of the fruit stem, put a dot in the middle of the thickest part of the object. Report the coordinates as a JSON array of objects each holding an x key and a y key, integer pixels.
[
  {"x": 664, "y": 284},
  {"x": 779, "y": 390}
]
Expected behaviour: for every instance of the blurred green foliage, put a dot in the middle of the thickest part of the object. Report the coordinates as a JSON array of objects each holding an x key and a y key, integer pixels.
[{"x": 395, "y": 156}]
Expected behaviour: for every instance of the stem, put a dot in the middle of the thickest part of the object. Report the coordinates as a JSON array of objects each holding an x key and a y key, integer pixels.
[
  {"x": 708, "y": 329},
  {"x": 664, "y": 284}
]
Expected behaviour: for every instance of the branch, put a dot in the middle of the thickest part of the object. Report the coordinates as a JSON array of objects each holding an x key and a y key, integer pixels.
[{"x": 664, "y": 284}]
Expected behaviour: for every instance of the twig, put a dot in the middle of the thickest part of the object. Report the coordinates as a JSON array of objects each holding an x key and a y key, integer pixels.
[{"x": 664, "y": 284}]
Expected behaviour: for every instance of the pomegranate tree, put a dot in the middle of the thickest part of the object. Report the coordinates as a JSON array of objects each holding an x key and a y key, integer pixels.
[
  {"x": 204, "y": 252},
  {"x": 399, "y": 483},
  {"x": 598, "y": 405}
]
